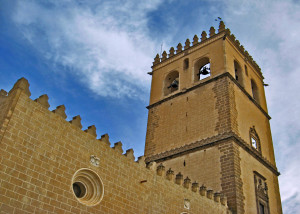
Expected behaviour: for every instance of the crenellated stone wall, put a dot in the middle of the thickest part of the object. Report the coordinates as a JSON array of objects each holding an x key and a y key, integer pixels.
[
  {"x": 50, "y": 165},
  {"x": 212, "y": 34}
]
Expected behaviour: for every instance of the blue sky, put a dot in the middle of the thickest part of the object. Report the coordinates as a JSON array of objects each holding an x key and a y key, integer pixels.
[{"x": 93, "y": 57}]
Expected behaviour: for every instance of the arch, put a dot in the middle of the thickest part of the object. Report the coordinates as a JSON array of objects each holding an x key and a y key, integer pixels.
[
  {"x": 238, "y": 73},
  {"x": 171, "y": 82},
  {"x": 202, "y": 69},
  {"x": 255, "y": 92}
]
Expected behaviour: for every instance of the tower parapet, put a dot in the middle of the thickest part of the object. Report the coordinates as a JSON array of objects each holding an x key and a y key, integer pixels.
[{"x": 189, "y": 47}]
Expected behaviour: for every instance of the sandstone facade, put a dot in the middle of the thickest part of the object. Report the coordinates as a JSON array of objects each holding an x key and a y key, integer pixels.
[
  {"x": 43, "y": 156},
  {"x": 208, "y": 119}
]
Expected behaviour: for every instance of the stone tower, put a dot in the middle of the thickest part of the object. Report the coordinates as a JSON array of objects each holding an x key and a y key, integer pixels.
[{"x": 208, "y": 119}]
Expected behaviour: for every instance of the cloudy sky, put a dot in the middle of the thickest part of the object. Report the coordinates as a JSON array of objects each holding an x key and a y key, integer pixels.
[{"x": 93, "y": 56}]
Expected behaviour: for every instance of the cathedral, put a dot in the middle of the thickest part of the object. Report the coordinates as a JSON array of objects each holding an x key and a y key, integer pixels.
[{"x": 208, "y": 144}]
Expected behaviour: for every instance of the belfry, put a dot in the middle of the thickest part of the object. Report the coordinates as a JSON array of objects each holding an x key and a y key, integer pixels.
[{"x": 208, "y": 119}]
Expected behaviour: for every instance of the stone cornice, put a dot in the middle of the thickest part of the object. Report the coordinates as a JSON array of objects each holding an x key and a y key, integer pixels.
[{"x": 210, "y": 142}]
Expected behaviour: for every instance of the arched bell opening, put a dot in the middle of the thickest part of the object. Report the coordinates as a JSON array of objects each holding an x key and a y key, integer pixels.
[
  {"x": 171, "y": 82},
  {"x": 202, "y": 69},
  {"x": 255, "y": 92},
  {"x": 238, "y": 73}
]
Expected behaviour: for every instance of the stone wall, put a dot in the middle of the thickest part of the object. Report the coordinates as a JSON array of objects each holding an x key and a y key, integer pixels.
[
  {"x": 41, "y": 154},
  {"x": 202, "y": 166},
  {"x": 183, "y": 120},
  {"x": 249, "y": 165}
]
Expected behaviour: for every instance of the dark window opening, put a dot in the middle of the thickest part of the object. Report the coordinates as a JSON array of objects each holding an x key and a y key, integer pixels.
[
  {"x": 246, "y": 70},
  {"x": 171, "y": 83},
  {"x": 79, "y": 189},
  {"x": 238, "y": 73},
  {"x": 261, "y": 208},
  {"x": 255, "y": 92},
  {"x": 186, "y": 63}
]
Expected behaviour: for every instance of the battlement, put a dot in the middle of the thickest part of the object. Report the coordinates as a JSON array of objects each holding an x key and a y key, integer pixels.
[
  {"x": 23, "y": 85},
  {"x": 205, "y": 39},
  {"x": 48, "y": 161}
]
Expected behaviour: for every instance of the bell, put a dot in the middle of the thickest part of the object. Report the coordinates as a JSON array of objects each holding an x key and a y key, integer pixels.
[
  {"x": 174, "y": 84},
  {"x": 204, "y": 70}
]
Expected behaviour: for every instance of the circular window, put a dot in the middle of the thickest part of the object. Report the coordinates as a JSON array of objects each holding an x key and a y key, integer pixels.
[
  {"x": 79, "y": 189},
  {"x": 87, "y": 186}
]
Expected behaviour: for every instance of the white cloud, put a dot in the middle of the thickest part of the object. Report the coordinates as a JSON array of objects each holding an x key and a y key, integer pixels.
[{"x": 105, "y": 44}]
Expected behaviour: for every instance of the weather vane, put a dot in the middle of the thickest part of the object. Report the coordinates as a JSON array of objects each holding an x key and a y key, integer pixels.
[{"x": 218, "y": 19}]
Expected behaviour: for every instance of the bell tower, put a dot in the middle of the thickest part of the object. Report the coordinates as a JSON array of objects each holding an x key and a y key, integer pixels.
[{"x": 208, "y": 119}]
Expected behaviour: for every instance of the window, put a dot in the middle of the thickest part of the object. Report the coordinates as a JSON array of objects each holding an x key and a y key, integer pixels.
[
  {"x": 88, "y": 187},
  {"x": 261, "y": 192},
  {"x": 254, "y": 143},
  {"x": 246, "y": 70},
  {"x": 186, "y": 64},
  {"x": 238, "y": 73},
  {"x": 171, "y": 83},
  {"x": 261, "y": 208},
  {"x": 255, "y": 93},
  {"x": 202, "y": 69},
  {"x": 254, "y": 139}
]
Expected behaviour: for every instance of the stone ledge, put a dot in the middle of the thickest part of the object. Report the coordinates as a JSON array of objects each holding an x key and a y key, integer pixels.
[{"x": 210, "y": 142}]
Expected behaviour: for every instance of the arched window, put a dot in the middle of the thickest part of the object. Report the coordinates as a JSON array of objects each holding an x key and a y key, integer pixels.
[
  {"x": 238, "y": 73},
  {"x": 171, "y": 82},
  {"x": 202, "y": 69},
  {"x": 186, "y": 63},
  {"x": 255, "y": 93},
  {"x": 254, "y": 139}
]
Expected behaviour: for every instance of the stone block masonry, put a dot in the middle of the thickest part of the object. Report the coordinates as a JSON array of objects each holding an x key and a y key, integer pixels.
[
  {"x": 50, "y": 165},
  {"x": 208, "y": 119}
]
